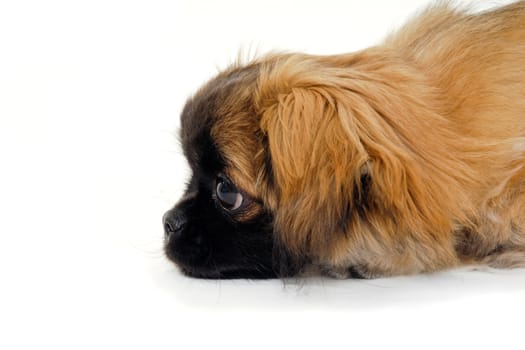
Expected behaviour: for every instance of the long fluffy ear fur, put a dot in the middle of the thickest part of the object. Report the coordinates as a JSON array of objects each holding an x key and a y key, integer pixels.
[{"x": 350, "y": 133}]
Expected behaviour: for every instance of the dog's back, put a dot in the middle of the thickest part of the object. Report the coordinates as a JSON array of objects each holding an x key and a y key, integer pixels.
[{"x": 478, "y": 61}]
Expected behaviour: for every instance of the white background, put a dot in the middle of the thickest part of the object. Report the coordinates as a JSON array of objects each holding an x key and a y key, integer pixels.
[{"x": 90, "y": 93}]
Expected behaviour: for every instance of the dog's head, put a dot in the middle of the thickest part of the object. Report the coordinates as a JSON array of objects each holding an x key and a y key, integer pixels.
[
  {"x": 299, "y": 159},
  {"x": 221, "y": 228}
]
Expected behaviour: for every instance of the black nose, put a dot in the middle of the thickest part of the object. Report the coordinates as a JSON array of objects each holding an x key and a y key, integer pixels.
[{"x": 174, "y": 221}]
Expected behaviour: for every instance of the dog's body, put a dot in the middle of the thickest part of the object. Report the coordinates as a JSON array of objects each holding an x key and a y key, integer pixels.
[{"x": 403, "y": 158}]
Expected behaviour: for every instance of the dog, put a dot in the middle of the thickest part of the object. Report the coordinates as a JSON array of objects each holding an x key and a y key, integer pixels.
[{"x": 403, "y": 158}]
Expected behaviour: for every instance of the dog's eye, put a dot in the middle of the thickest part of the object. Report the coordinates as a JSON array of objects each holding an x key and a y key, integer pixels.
[{"x": 228, "y": 195}]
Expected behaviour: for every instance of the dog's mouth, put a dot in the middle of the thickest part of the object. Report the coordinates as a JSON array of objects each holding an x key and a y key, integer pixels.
[
  {"x": 240, "y": 273},
  {"x": 206, "y": 267}
]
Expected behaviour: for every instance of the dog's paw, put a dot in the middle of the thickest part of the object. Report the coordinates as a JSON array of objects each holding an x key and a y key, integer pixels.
[
  {"x": 355, "y": 272},
  {"x": 506, "y": 258}
]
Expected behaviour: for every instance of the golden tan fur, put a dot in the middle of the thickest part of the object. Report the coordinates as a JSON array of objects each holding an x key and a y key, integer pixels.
[{"x": 402, "y": 158}]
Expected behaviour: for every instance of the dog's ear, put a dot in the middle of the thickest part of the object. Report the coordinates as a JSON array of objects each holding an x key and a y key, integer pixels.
[
  {"x": 348, "y": 149},
  {"x": 317, "y": 164}
]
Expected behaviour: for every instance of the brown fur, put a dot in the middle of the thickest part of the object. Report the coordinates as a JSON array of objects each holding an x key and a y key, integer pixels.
[{"x": 402, "y": 158}]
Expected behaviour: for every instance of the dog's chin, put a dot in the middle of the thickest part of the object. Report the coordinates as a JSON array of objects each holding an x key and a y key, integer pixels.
[
  {"x": 205, "y": 268},
  {"x": 214, "y": 271},
  {"x": 228, "y": 273}
]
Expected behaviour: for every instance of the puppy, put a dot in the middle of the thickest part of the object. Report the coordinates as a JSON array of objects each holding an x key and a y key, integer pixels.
[{"x": 403, "y": 158}]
